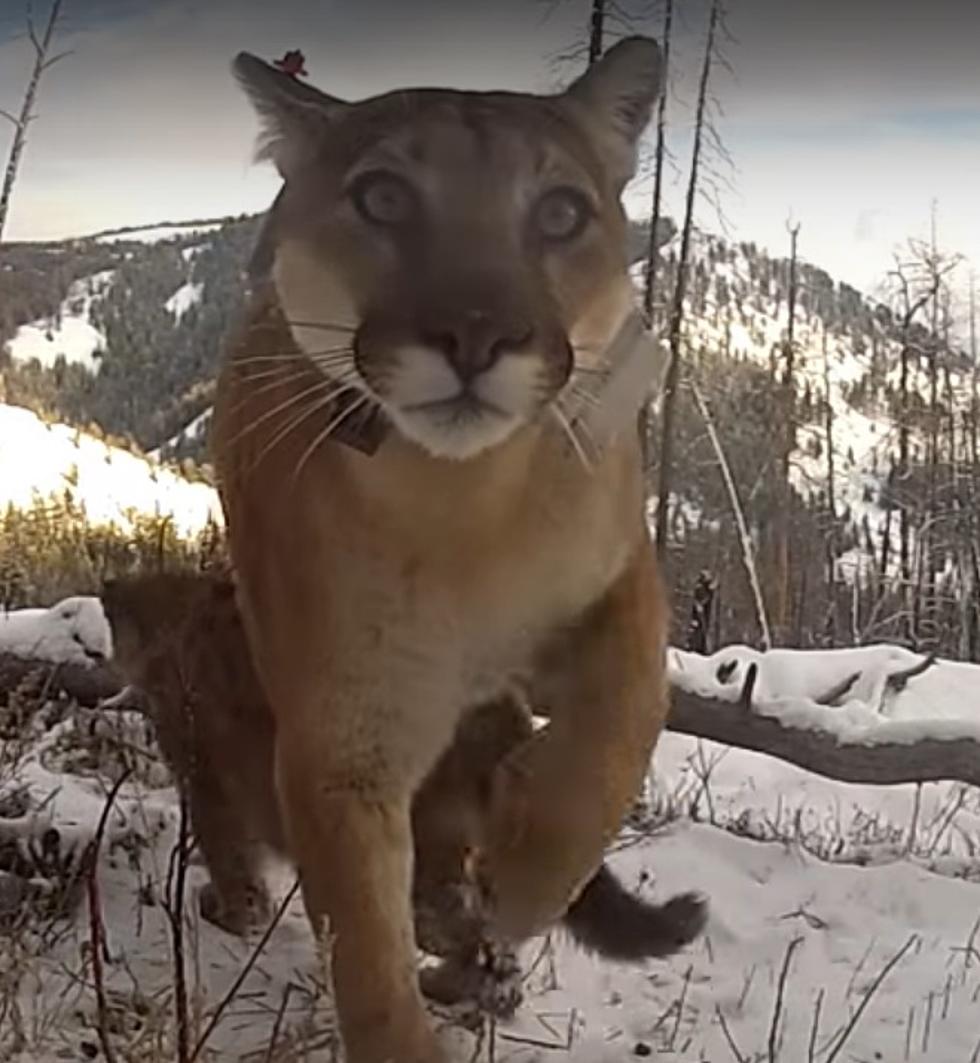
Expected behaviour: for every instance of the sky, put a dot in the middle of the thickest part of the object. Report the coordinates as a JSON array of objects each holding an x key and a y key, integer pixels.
[{"x": 852, "y": 117}]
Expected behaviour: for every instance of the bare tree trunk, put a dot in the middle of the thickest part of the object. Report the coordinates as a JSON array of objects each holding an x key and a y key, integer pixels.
[
  {"x": 787, "y": 431},
  {"x": 669, "y": 404},
  {"x": 596, "y": 25},
  {"x": 831, "y": 633},
  {"x": 744, "y": 538},
  {"x": 42, "y": 62},
  {"x": 653, "y": 249},
  {"x": 828, "y": 423}
]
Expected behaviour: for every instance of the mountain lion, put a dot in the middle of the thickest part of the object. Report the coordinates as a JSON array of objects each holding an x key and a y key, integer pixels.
[
  {"x": 417, "y": 515},
  {"x": 179, "y": 641}
]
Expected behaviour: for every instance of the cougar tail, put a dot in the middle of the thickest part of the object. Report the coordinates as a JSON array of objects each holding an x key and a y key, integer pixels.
[{"x": 609, "y": 920}]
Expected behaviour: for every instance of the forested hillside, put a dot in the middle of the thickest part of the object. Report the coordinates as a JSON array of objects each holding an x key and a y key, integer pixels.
[{"x": 855, "y": 460}]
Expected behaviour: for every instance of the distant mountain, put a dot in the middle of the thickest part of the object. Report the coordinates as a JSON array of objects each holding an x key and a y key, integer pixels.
[{"x": 122, "y": 329}]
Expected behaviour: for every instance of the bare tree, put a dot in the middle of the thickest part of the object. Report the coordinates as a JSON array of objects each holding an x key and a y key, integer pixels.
[
  {"x": 653, "y": 247},
  {"x": 786, "y": 428},
  {"x": 668, "y": 408},
  {"x": 917, "y": 279},
  {"x": 828, "y": 425},
  {"x": 43, "y": 60},
  {"x": 744, "y": 537}
]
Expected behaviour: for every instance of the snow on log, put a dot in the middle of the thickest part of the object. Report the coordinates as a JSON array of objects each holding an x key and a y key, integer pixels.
[
  {"x": 64, "y": 648},
  {"x": 771, "y": 703}
]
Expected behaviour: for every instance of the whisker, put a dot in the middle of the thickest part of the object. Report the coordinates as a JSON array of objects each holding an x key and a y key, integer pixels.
[
  {"x": 581, "y": 428},
  {"x": 300, "y": 396},
  {"x": 334, "y": 361},
  {"x": 293, "y": 424},
  {"x": 569, "y": 431},
  {"x": 281, "y": 379},
  {"x": 292, "y": 355},
  {"x": 276, "y": 371},
  {"x": 328, "y": 326},
  {"x": 325, "y": 433},
  {"x": 585, "y": 394}
]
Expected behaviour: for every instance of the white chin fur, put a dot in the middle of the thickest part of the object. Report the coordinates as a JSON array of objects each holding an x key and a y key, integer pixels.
[
  {"x": 424, "y": 376},
  {"x": 442, "y": 436}
]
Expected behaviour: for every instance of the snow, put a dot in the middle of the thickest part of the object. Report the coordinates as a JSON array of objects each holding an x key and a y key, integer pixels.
[
  {"x": 186, "y": 296},
  {"x": 155, "y": 233},
  {"x": 70, "y": 332},
  {"x": 193, "y": 431},
  {"x": 74, "y": 631},
  {"x": 49, "y": 461},
  {"x": 856, "y": 873},
  {"x": 749, "y": 323}
]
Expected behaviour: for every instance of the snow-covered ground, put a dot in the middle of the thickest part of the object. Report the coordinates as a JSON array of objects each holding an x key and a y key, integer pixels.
[
  {"x": 46, "y": 461},
  {"x": 186, "y": 296},
  {"x": 875, "y": 932},
  {"x": 70, "y": 333}
]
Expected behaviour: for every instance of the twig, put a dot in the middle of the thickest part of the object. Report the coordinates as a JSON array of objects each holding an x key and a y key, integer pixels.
[
  {"x": 778, "y": 1006},
  {"x": 927, "y": 1026},
  {"x": 728, "y": 1036},
  {"x": 176, "y": 888},
  {"x": 811, "y": 1050},
  {"x": 681, "y": 1000},
  {"x": 866, "y": 999},
  {"x": 836, "y": 692},
  {"x": 244, "y": 972},
  {"x": 96, "y": 924},
  {"x": 277, "y": 1025}
]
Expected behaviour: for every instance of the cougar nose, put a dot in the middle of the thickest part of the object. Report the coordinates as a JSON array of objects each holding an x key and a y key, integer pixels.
[{"x": 474, "y": 341}]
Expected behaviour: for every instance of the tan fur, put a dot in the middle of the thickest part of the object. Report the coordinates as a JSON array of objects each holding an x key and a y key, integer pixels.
[
  {"x": 382, "y": 594},
  {"x": 178, "y": 639}
]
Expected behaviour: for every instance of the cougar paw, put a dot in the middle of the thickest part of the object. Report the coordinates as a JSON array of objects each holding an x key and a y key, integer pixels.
[
  {"x": 238, "y": 916},
  {"x": 489, "y": 979}
]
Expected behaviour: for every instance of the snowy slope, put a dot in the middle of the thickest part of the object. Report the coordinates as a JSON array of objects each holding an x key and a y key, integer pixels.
[
  {"x": 70, "y": 333},
  {"x": 844, "y": 356},
  {"x": 41, "y": 460},
  {"x": 186, "y": 296}
]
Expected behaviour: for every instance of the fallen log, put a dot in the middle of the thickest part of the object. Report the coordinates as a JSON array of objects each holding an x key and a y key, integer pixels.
[
  {"x": 87, "y": 684},
  {"x": 833, "y": 742}
]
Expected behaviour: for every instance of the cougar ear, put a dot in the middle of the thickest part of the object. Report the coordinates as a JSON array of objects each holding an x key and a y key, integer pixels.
[
  {"x": 294, "y": 115},
  {"x": 618, "y": 93}
]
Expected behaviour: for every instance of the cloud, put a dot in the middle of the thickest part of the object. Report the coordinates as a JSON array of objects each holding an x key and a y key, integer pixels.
[{"x": 832, "y": 105}]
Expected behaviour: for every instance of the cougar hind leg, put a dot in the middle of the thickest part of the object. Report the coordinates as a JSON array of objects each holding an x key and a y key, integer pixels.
[{"x": 236, "y": 898}]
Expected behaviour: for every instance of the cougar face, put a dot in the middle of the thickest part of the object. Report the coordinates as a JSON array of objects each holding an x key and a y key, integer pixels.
[{"x": 453, "y": 257}]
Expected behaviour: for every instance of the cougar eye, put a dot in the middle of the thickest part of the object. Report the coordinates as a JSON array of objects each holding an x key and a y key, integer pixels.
[
  {"x": 561, "y": 214},
  {"x": 384, "y": 199}
]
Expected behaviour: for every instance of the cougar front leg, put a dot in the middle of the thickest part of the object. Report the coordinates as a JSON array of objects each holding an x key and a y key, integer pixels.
[
  {"x": 559, "y": 799},
  {"x": 349, "y": 827}
]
